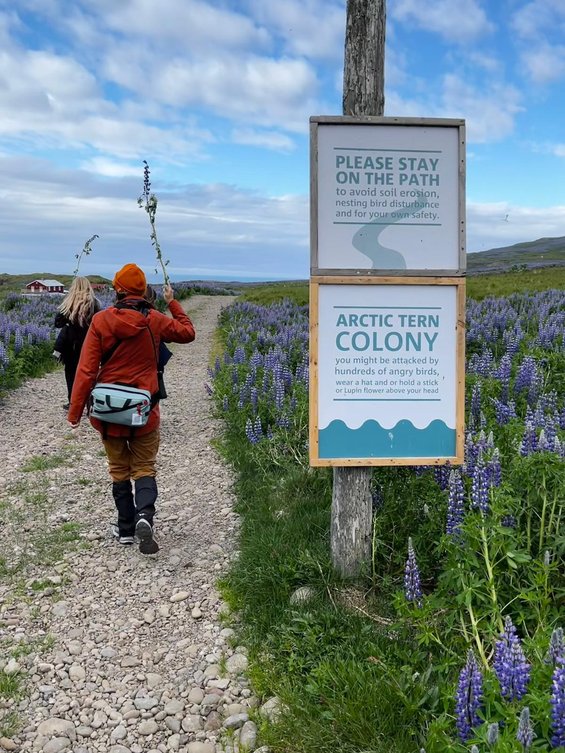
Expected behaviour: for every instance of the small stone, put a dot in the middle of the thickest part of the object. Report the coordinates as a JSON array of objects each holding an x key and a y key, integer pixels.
[
  {"x": 56, "y": 727},
  {"x": 148, "y": 727},
  {"x": 149, "y": 616},
  {"x": 12, "y": 667},
  {"x": 77, "y": 673},
  {"x": 153, "y": 679},
  {"x": 197, "y": 747},
  {"x": 174, "y": 707},
  {"x": 60, "y": 609},
  {"x": 248, "y": 736},
  {"x": 213, "y": 722},
  {"x": 173, "y": 743},
  {"x": 84, "y": 731},
  {"x": 179, "y": 596},
  {"x": 56, "y": 745},
  {"x": 211, "y": 699},
  {"x": 196, "y": 695},
  {"x": 119, "y": 749},
  {"x": 108, "y": 652},
  {"x": 144, "y": 703},
  {"x": 236, "y": 664},
  {"x": 172, "y": 724},
  {"x": 74, "y": 648},
  {"x": 130, "y": 661},
  {"x": 8, "y": 744},
  {"x": 271, "y": 709},
  {"x": 235, "y": 721},
  {"x": 196, "y": 613},
  {"x": 192, "y": 723},
  {"x": 118, "y": 733}
]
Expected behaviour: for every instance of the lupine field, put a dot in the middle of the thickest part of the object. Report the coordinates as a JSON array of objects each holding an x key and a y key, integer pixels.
[
  {"x": 454, "y": 640},
  {"x": 27, "y": 334}
]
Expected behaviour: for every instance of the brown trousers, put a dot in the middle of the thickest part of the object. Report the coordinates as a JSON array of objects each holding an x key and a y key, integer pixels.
[{"x": 132, "y": 457}]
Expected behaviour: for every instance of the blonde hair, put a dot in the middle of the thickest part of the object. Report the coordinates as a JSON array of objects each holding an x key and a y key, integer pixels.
[{"x": 79, "y": 305}]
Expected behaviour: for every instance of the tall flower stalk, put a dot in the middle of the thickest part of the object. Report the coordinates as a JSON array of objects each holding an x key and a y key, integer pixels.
[
  {"x": 148, "y": 201},
  {"x": 87, "y": 248},
  {"x": 558, "y": 703},
  {"x": 468, "y": 698},
  {"x": 412, "y": 587},
  {"x": 510, "y": 665}
]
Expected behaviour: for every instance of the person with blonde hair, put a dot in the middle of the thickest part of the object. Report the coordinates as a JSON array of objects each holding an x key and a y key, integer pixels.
[{"x": 73, "y": 319}]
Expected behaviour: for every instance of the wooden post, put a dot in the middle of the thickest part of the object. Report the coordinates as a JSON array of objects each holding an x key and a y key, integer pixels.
[{"x": 363, "y": 94}]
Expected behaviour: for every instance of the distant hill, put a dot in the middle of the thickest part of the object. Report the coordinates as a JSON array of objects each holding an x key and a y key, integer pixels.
[
  {"x": 544, "y": 252},
  {"x": 18, "y": 282}
]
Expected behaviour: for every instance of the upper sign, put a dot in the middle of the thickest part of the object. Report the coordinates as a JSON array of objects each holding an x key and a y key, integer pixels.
[{"x": 387, "y": 196}]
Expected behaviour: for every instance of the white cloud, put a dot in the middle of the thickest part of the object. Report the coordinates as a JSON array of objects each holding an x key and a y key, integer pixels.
[
  {"x": 226, "y": 229},
  {"x": 487, "y": 228},
  {"x": 489, "y": 113},
  {"x": 314, "y": 29},
  {"x": 189, "y": 25},
  {"x": 267, "y": 139},
  {"x": 545, "y": 63},
  {"x": 540, "y": 29},
  {"x": 445, "y": 17}
]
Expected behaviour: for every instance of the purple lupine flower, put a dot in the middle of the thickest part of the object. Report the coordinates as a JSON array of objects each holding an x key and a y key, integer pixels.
[
  {"x": 468, "y": 697},
  {"x": 508, "y": 521},
  {"x": 525, "y": 734},
  {"x": 510, "y": 665},
  {"x": 529, "y": 442},
  {"x": 412, "y": 588},
  {"x": 257, "y": 428},
  {"x": 441, "y": 475},
  {"x": 476, "y": 398},
  {"x": 225, "y": 404},
  {"x": 503, "y": 412},
  {"x": 492, "y": 733},
  {"x": 480, "y": 487},
  {"x": 250, "y": 432},
  {"x": 556, "y": 646},
  {"x": 455, "y": 504},
  {"x": 558, "y": 703},
  {"x": 543, "y": 444},
  {"x": 494, "y": 470}
]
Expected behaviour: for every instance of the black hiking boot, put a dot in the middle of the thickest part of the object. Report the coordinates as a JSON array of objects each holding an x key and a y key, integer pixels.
[
  {"x": 123, "y": 497},
  {"x": 144, "y": 534}
]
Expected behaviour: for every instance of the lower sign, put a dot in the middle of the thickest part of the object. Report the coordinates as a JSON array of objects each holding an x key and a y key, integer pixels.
[{"x": 387, "y": 368}]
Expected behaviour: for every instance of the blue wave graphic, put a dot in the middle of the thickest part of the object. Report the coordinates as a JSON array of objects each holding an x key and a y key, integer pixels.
[{"x": 372, "y": 441}]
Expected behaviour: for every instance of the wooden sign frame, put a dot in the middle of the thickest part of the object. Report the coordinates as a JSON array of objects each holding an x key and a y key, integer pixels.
[
  {"x": 438, "y": 133},
  {"x": 459, "y": 283}
]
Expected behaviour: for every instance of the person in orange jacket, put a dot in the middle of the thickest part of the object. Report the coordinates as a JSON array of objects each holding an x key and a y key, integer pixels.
[{"x": 119, "y": 349}]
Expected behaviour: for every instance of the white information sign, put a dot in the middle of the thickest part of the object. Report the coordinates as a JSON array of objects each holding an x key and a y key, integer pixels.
[
  {"x": 386, "y": 372},
  {"x": 388, "y": 197}
]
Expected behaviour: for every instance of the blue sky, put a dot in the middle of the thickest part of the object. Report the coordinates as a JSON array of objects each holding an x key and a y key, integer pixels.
[{"x": 216, "y": 96}]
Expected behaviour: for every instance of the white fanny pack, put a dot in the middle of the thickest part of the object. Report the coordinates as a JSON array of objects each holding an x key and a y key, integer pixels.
[{"x": 120, "y": 404}]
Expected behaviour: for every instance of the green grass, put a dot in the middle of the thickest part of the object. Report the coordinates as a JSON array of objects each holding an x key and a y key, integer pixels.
[
  {"x": 321, "y": 658},
  {"x": 533, "y": 281},
  {"x": 43, "y": 463},
  {"x": 267, "y": 294},
  {"x": 478, "y": 286}
]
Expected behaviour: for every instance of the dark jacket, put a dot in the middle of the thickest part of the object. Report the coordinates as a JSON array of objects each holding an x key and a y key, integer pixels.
[
  {"x": 133, "y": 361},
  {"x": 70, "y": 338}
]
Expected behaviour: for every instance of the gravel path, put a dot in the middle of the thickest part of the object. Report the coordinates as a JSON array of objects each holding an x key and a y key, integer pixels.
[{"x": 114, "y": 651}]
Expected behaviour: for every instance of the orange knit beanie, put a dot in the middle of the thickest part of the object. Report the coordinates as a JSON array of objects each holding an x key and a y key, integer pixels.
[{"x": 130, "y": 279}]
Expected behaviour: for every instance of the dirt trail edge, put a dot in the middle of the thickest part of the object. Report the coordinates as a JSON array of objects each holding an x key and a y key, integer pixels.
[{"x": 103, "y": 649}]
